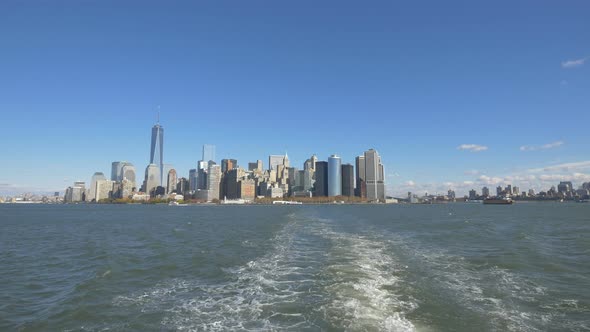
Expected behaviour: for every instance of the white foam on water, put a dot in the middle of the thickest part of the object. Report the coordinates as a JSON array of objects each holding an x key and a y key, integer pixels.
[
  {"x": 494, "y": 293},
  {"x": 268, "y": 293},
  {"x": 363, "y": 283}
]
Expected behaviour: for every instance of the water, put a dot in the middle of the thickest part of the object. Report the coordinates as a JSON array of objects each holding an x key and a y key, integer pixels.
[{"x": 455, "y": 267}]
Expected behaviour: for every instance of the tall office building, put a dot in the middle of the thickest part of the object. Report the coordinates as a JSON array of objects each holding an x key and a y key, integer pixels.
[
  {"x": 294, "y": 180},
  {"x": 255, "y": 166},
  {"x": 117, "y": 170},
  {"x": 334, "y": 176},
  {"x": 308, "y": 179},
  {"x": 321, "y": 179},
  {"x": 374, "y": 176},
  {"x": 172, "y": 180},
  {"x": 193, "y": 179},
  {"x": 151, "y": 180},
  {"x": 127, "y": 187},
  {"x": 157, "y": 150},
  {"x": 347, "y": 180},
  {"x": 228, "y": 164},
  {"x": 213, "y": 182},
  {"x": 75, "y": 193},
  {"x": 208, "y": 152},
  {"x": 92, "y": 192},
  {"x": 182, "y": 187},
  {"x": 361, "y": 185},
  {"x": 485, "y": 192},
  {"x": 128, "y": 172},
  {"x": 202, "y": 178},
  {"x": 310, "y": 163},
  {"x": 275, "y": 160},
  {"x": 103, "y": 189}
]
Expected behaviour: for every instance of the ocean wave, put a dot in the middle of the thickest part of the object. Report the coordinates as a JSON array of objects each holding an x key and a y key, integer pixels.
[{"x": 500, "y": 297}]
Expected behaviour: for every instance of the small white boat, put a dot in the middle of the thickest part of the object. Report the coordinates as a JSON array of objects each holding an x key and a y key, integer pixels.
[{"x": 286, "y": 203}]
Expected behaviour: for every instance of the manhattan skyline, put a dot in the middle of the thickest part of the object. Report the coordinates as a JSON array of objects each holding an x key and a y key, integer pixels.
[{"x": 452, "y": 99}]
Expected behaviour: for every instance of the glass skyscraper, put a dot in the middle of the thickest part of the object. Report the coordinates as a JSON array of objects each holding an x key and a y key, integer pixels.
[
  {"x": 208, "y": 152},
  {"x": 157, "y": 149},
  {"x": 321, "y": 179},
  {"x": 334, "y": 176}
]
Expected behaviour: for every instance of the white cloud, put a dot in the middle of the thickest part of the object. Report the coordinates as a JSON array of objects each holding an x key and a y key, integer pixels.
[
  {"x": 573, "y": 63},
  {"x": 539, "y": 179},
  {"x": 576, "y": 166},
  {"x": 490, "y": 180},
  {"x": 542, "y": 147},
  {"x": 472, "y": 147},
  {"x": 471, "y": 172}
]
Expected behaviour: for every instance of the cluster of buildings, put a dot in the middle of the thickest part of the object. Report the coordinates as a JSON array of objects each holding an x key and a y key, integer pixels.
[
  {"x": 211, "y": 182},
  {"x": 565, "y": 190}
]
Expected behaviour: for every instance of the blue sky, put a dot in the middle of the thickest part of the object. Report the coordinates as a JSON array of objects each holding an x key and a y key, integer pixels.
[{"x": 507, "y": 80}]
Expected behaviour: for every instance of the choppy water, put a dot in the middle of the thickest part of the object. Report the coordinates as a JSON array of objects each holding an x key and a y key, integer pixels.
[{"x": 456, "y": 267}]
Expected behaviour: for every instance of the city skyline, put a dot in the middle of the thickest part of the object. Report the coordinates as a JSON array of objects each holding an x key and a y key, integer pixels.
[
  {"x": 208, "y": 150},
  {"x": 452, "y": 97}
]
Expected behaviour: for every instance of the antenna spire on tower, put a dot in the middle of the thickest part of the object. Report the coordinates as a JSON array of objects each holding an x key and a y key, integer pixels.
[{"x": 158, "y": 114}]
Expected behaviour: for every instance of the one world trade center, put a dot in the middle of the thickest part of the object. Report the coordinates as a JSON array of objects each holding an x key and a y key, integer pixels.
[{"x": 157, "y": 148}]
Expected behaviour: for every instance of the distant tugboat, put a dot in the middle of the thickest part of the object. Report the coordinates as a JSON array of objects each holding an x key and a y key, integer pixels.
[{"x": 498, "y": 200}]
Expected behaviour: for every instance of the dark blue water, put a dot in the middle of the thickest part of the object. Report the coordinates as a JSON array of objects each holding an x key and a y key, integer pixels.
[{"x": 455, "y": 267}]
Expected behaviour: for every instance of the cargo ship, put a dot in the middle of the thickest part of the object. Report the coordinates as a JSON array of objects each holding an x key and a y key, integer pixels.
[{"x": 498, "y": 200}]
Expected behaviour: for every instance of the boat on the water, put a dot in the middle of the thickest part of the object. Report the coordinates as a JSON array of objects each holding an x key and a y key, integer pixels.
[
  {"x": 498, "y": 200},
  {"x": 286, "y": 203}
]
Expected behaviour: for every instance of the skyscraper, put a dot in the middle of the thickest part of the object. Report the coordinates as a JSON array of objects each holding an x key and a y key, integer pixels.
[
  {"x": 321, "y": 179},
  {"x": 128, "y": 172},
  {"x": 275, "y": 160},
  {"x": 361, "y": 186},
  {"x": 310, "y": 163},
  {"x": 182, "y": 187},
  {"x": 347, "y": 180},
  {"x": 117, "y": 170},
  {"x": 374, "y": 176},
  {"x": 95, "y": 178},
  {"x": 255, "y": 166},
  {"x": 103, "y": 189},
  {"x": 157, "y": 150},
  {"x": 151, "y": 181},
  {"x": 193, "y": 179},
  {"x": 172, "y": 180},
  {"x": 334, "y": 176},
  {"x": 213, "y": 181},
  {"x": 228, "y": 164},
  {"x": 208, "y": 152}
]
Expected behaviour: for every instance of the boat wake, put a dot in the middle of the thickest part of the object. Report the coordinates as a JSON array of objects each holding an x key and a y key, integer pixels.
[
  {"x": 269, "y": 293},
  {"x": 313, "y": 278},
  {"x": 363, "y": 282}
]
